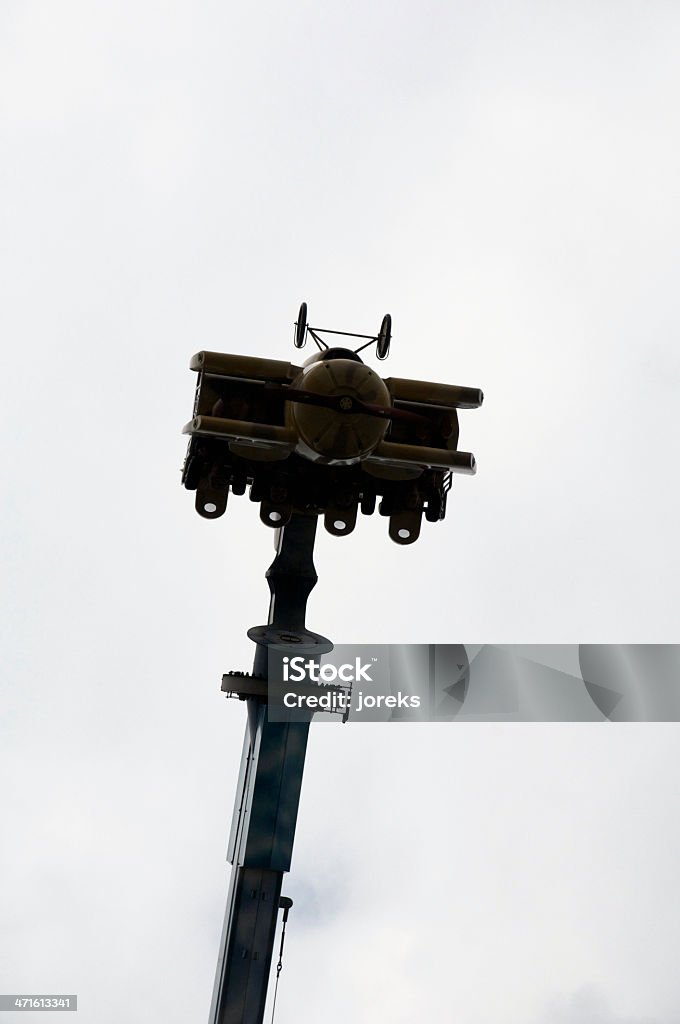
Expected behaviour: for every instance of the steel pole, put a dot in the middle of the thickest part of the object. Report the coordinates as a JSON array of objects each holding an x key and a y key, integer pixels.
[{"x": 267, "y": 796}]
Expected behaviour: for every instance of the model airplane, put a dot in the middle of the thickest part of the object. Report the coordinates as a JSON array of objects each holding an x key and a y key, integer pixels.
[{"x": 328, "y": 437}]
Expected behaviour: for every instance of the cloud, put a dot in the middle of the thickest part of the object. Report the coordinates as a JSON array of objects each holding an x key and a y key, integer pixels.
[
  {"x": 589, "y": 1005},
  {"x": 502, "y": 179}
]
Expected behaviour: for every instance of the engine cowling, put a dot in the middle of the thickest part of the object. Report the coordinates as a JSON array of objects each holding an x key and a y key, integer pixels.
[{"x": 327, "y": 435}]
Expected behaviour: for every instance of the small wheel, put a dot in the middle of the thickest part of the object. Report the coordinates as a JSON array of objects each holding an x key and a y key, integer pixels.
[
  {"x": 384, "y": 336},
  {"x": 301, "y": 327}
]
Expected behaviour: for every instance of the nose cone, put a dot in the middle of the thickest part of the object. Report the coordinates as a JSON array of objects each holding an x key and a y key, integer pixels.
[{"x": 334, "y": 436}]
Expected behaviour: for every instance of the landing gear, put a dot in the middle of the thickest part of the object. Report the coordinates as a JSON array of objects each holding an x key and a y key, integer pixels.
[
  {"x": 301, "y": 327},
  {"x": 381, "y": 340},
  {"x": 382, "y": 349}
]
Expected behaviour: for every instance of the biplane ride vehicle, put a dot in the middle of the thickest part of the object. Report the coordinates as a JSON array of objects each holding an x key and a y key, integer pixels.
[{"x": 329, "y": 437}]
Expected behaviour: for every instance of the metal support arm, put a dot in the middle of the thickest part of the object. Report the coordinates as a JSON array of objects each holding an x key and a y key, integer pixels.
[{"x": 267, "y": 797}]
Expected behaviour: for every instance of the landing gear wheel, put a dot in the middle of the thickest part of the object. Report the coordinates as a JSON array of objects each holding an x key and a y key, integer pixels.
[
  {"x": 301, "y": 327},
  {"x": 382, "y": 349}
]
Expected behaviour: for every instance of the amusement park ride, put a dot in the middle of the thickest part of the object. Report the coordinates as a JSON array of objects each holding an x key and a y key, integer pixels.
[{"x": 326, "y": 438}]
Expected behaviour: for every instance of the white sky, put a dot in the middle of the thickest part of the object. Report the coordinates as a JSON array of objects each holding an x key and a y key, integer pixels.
[{"x": 501, "y": 177}]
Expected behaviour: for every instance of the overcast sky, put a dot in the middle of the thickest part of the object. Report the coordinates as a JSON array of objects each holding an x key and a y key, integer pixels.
[{"x": 503, "y": 179}]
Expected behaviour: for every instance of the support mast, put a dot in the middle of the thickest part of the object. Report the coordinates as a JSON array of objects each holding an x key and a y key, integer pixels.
[{"x": 268, "y": 790}]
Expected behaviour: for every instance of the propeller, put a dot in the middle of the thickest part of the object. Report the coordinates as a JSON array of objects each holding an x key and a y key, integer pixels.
[{"x": 347, "y": 404}]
